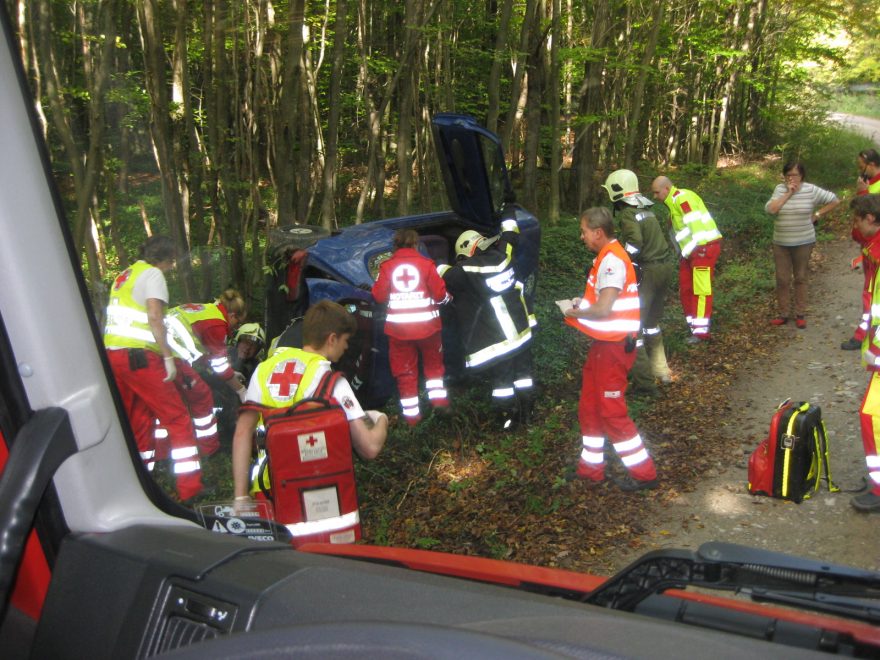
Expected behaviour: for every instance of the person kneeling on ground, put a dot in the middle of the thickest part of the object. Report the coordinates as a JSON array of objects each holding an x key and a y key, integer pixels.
[
  {"x": 247, "y": 350},
  {"x": 292, "y": 374}
]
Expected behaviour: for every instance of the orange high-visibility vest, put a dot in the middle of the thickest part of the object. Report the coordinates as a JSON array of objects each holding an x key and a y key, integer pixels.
[{"x": 624, "y": 318}]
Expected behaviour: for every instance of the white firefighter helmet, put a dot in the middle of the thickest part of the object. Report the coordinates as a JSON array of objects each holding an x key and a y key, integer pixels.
[
  {"x": 252, "y": 331},
  {"x": 623, "y": 185},
  {"x": 468, "y": 242}
]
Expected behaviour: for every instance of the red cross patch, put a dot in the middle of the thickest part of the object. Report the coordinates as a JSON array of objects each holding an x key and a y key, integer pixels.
[
  {"x": 284, "y": 380},
  {"x": 405, "y": 278},
  {"x": 121, "y": 279}
]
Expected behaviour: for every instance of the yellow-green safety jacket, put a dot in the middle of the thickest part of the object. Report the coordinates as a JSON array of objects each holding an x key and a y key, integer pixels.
[
  {"x": 692, "y": 222},
  {"x": 183, "y": 340},
  {"x": 287, "y": 376},
  {"x": 127, "y": 323}
]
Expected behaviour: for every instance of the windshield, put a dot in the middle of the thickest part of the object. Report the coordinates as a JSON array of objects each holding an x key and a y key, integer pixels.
[{"x": 184, "y": 145}]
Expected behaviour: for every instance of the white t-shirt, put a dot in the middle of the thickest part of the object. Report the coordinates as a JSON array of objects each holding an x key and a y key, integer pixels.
[
  {"x": 150, "y": 284},
  {"x": 611, "y": 272},
  {"x": 342, "y": 392}
]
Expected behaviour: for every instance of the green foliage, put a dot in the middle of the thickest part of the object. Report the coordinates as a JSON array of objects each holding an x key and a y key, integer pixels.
[
  {"x": 828, "y": 153},
  {"x": 558, "y": 348},
  {"x": 426, "y": 542}
]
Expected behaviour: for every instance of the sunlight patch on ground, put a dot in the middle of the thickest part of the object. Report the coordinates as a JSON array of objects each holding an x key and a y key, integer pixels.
[
  {"x": 451, "y": 470},
  {"x": 725, "y": 503}
]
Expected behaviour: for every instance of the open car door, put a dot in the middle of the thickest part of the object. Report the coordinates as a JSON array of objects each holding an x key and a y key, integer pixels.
[{"x": 473, "y": 168}]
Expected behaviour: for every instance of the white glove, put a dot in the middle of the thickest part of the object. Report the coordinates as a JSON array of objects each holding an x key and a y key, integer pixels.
[
  {"x": 242, "y": 393},
  {"x": 374, "y": 416},
  {"x": 170, "y": 369}
]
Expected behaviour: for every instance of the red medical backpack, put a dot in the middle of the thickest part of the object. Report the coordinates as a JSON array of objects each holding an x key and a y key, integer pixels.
[
  {"x": 789, "y": 463},
  {"x": 311, "y": 469}
]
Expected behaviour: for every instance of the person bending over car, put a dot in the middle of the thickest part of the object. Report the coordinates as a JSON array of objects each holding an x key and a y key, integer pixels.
[
  {"x": 494, "y": 322},
  {"x": 143, "y": 366},
  {"x": 409, "y": 285},
  {"x": 197, "y": 335},
  {"x": 292, "y": 374}
]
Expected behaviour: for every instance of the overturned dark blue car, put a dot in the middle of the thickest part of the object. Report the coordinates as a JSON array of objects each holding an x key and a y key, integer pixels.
[{"x": 309, "y": 263}]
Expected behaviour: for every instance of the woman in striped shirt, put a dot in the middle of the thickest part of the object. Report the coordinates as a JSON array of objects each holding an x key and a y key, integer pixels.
[{"x": 797, "y": 205}]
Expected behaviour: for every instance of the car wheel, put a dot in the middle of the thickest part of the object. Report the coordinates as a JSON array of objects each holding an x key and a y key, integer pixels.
[{"x": 295, "y": 237}]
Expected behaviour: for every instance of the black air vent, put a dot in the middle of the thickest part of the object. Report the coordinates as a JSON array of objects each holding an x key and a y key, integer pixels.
[
  {"x": 187, "y": 617},
  {"x": 180, "y": 632}
]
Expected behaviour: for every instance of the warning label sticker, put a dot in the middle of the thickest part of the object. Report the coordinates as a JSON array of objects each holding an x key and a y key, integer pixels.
[{"x": 247, "y": 519}]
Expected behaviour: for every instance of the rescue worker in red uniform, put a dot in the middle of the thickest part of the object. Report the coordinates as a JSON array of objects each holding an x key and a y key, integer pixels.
[
  {"x": 144, "y": 367},
  {"x": 867, "y": 183},
  {"x": 198, "y": 335},
  {"x": 866, "y": 220},
  {"x": 494, "y": 322},
  {"x": 409, "y": 285},
  {"x": 699, "y": 243},
  {"x": 609, "y": 314},
  {"x": 292, "y": 374}
]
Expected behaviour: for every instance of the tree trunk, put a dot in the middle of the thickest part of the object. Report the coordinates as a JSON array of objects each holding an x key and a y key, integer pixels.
[
  {"x": 584, "y": 157},
  {"x": 286, "y": 117},
  {"x": 519, "y": 71},
  {"x": 162, "y": 136},
  {"x": 406, "y": 85},
  {"x": 498, "y": 59},
  {"x": 554, "y": 85},
  {"x": 535, "y": 84},
  {"x": 328, "y": 201},
  {"x": 635, "y": 133}
]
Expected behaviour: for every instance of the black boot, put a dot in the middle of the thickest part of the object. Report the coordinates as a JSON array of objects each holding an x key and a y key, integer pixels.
[{"x": 525, "y": 404}]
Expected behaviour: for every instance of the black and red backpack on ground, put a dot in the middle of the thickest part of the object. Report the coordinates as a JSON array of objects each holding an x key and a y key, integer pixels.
[
  {"x": 790, "y": 462},
  {"x": 311, "y": 469}
]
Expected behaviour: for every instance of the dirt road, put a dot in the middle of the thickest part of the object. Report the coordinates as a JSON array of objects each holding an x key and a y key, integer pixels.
[
  {"x": 809, "y": 366},
  {"x": 867, "y": 126}
]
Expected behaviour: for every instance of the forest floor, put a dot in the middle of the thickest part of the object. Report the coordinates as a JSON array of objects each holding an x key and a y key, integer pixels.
[{"x": 461, "y": 488}]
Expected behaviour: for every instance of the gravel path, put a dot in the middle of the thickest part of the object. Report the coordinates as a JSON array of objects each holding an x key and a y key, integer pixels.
[{"x": 809, "y": 366}]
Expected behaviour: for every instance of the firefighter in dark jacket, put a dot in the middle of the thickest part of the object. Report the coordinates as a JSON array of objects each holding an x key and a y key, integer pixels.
[
  {"x": 640, "y": 233},
  {"x": 494, "y": 322}
]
